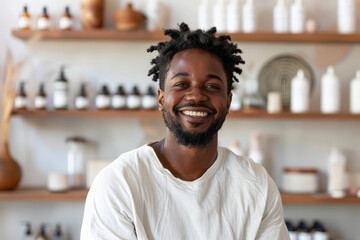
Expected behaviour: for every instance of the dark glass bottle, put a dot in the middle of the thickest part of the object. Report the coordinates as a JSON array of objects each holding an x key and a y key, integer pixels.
[
  {"x": 21, "y": 98},
  {"x": 103, "y": 99},
  {"x": 118, "y": 100}
]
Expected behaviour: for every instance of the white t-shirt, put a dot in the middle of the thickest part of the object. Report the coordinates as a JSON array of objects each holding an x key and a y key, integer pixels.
[{"x": 135, "y": 197}]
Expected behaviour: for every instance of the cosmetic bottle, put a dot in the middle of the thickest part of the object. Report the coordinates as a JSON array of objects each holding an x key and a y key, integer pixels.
[
  {"x": 297, "y": 17},
  {"x": 42, "y": 233},
  {"x": 28, "y": 235},
  {"x": 299, "y": 99},
  {"x": 319, "y": 232},
  {"x": 43, "y": 22},
  {"x": 355, "y": 94},
  {"x": 292, "y": 230},
  {"x": 65, "y": 22},
  {"x": 118, "y": 100},
  {"x": 82, "y": 100},
  {"x": 233, "y": 16},
  {"x": 58, "y": 233},
  {"x": 255, "y": 152},
  {"x": 336, "y": 173},
  {"x": 156, "y": 15},
  {"x": 248, "y": 17},
  {"x": 204, "y": 15},
  {"x": 21, "y": 100},
  {"x": 303, "y": 232},
  {"x": 61, "y": 91},
  {"x": 40, "y": 99},
  {"x": 133, "y": 100},
  {"x": 76, "y": 161},
  {"x": 219, "y": 15},
  {"x": 235, "y": 104},
  {"x": 280, "y": 17},
  {"x": 149, "y": 101},
  {"x": 330, "y": 92},
  {"x": 103, "y": 99},
  {"x": 346, "y": 16},
  {"x": 24, "y": 20}
]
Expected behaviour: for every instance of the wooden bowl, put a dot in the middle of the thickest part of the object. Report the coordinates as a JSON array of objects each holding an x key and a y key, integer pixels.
[{"x": 127, "y": 18}]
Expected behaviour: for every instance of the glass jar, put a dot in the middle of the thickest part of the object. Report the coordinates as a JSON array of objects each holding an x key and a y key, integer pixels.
[{"x": 76, "y": 161}]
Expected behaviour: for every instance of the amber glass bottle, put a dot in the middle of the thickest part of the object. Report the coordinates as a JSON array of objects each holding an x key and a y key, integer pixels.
[{"x": 24, "y": 20}]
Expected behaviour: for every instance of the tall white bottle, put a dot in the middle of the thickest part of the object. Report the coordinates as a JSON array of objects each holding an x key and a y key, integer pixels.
[
  {"x": 280, "y": 17},
  {"x": 248, "y": 17},
  {"x": 233, "y": 16},
  {"x": 355, "y": 94},
  {"x": 204, "y": 15},
  {"x": 156, "y": 15},
  {"x": 336, "y": 173},
  {"x": 255, "y": 151},
  {"x": 300, "y": 93},
  {"x": 346, "y": 16},
  {"x": 297, "y": 17},
  {"x": 219, "y": 15},
  {"x": 330, "y": 92}
]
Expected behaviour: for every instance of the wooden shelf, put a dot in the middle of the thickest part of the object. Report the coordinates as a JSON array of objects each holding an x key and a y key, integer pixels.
[
  {"x": 321, "y": 198},
  {"x": 149, "y": 114},
  {"x": 142, "y": 35},
  {"x": 43, "y": 195}
]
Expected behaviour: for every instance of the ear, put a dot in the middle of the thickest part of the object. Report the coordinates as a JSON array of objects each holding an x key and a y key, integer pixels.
[
  {"x": 228, "y": 101},
  {"x": 160, "y": 99}
]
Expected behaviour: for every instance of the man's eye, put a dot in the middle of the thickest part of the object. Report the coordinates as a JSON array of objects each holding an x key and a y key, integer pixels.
[
  {"x": 212, "y": 86},
  {"x": 181, "y": 84}
]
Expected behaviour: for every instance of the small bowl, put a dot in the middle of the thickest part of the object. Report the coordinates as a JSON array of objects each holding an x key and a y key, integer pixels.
[{"x": 127, "y": 18}]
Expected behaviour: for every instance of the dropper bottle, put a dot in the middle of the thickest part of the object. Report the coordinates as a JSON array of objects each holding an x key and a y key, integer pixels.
[
  {"x": 44, "y": 20},
  {"x": 24, "y": 20},
  {"x": 21, "y": 98},
  {"x": 118, "y": 100},
  {"x": 82, "y": 100},
  {"x": 40, "y": 99},
  {"x": 65, "y": 22}
]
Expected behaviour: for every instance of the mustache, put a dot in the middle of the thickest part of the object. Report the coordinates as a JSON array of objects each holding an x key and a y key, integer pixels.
[{"x": 191, "y": 104}]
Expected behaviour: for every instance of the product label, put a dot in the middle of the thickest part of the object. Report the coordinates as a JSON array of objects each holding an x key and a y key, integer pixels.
[
  {"x": 20, "y": 102},
  {"x": 60, "y": 86},
  {"x": 118, "y": 102},
  {"x": 24, "y": 22},
  {"x": 60, "y": 99},
  {"x": 103, "y": 101},
  {"x": 81, "y": 103},
  {"x": 133, "y": 102},
  {"x": 65, "y": 23},
  {"x": 149, "y": 102},
  {"x": 43, "y": 24},
  {"x": 40, "y": 102}
]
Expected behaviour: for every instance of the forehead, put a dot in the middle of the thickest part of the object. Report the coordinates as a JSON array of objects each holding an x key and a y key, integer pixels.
[{"x": 198, "y": 59}]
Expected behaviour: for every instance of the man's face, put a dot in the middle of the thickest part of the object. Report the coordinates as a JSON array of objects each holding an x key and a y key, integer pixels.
[{"x": 195, "y": 100}]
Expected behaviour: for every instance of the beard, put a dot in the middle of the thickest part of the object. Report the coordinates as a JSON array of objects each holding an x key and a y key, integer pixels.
[{"x": 189, "y": 139}]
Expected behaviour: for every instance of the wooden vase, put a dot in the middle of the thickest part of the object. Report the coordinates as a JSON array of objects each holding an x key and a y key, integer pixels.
[
  {"x": 92, "y": 13},
  {"x": 10, "y": 172},
  {"x": 127, "y": 18}
]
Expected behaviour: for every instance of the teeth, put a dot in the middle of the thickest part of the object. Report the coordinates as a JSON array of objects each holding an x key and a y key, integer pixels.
[{"x": 195, "y": 114}]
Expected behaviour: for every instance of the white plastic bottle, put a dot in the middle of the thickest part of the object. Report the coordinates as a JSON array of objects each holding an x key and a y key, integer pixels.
[
  {"x": 248, "y": 17},
  {"x": 219, "y": 15},
  {"x": 355, "y": 94},
  {"x": 297, "y": 17},
  {"x": 233, "y": 16},
  {"x": 280, "y": 17},
  {"x": 255, "y": 152},
  {"x": 156, "y": 15},
  {"x": 300, "y": 93},
  {"x": 346, "y": 16},
  {"x": 336, "y": 172},
  {"x": 330, "y": 92},
  {"x": 204, "y": 15}
]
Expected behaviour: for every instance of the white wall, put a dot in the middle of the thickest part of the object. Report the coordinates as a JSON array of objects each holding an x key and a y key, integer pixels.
[{"x": 39, "y": 144}]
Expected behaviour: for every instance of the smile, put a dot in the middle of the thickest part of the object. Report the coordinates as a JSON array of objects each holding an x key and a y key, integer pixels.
[{"x": 195, "y": 113}]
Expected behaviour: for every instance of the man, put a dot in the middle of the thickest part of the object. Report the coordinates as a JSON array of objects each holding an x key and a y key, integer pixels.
[{"x": 185, "y": 186}]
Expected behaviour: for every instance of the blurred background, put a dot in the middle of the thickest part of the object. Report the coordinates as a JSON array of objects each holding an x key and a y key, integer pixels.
[{"x": 311, "y": 149}]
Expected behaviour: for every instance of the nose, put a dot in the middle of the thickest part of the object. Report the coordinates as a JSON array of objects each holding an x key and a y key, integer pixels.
[{"x": 196, "y": 94}]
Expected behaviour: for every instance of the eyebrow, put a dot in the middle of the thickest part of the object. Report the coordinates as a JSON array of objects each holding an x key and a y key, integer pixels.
[{"x": 185, "y": 74}]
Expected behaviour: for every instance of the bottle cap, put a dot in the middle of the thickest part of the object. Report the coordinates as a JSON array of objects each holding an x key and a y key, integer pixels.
[
  {"x": 120, "y": 90},
  {"x": 62, "y": 76},
  {"x": 58, "y": 230},
  {"x": 104, "y": 90},
  {"x": 150, "y": 91},
  {"x": 135, "y": 91},
  {"x": 82, "y": 90}
]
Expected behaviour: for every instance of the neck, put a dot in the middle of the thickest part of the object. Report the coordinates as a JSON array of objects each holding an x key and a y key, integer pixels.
[{"x": 185, "y": 162}]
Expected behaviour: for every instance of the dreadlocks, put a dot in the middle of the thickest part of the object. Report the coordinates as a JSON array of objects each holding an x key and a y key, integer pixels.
[{"x": 186, "y": 39}]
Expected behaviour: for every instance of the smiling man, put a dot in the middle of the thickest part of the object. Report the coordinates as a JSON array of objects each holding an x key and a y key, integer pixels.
[{"x": 185, "y": 186}]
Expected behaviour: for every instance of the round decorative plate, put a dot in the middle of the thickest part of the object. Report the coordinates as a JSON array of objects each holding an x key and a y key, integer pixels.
[{"x": 277, "y": 73}]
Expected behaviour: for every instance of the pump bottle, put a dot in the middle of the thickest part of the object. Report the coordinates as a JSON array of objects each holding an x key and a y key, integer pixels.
[
  {"x": 355, "y": 94},
  {"x": 330, "y": 92},
  {"x": 233, "y": 16},
  {"x": 204, "y": 15},
  {"x": 219, "y": 13},
  {"x": 300, "y": 92},
  {"x": 346, "y": 16}
]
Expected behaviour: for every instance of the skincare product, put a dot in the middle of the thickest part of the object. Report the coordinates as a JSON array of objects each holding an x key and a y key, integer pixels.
[
  {"x": 204, "y": 15},
  {"x": 149, "y": 100},
  {"x": 248, "y": 17},
  {"x": 336, "y": 173},
  {"x": 355, "y": 94},
  {"x": 299, "y": 100},
  {"x": 103, "y": 99},
  {"x": 82, "y": 100},
  {"x": 65, "y": 22},
  {"x": 43, "y": 22},
  {"x": 274, "y": 104},
  {"x": 233, "y": 16},
  {"x": 346, "y": 16},
  {"x": 21, "y": 101},
  {"x": 61, "y": 91},
  {"x": 219, "y": 15},
  {"x": 40, "y": 99},
  {"x": 255, "y": 152},
  {"x": 280, "y": 17},
  {"x": 118, "y": 100},
  {"x": 297, "y": 17},
  {"x": 24, "y": 20},
  {"x": 133, "y": 100},
  {"x": 330, "y": 92}
]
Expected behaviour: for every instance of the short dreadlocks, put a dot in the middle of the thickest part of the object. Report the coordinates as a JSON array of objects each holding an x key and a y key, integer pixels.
[{"x": 187, "y": 39}]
